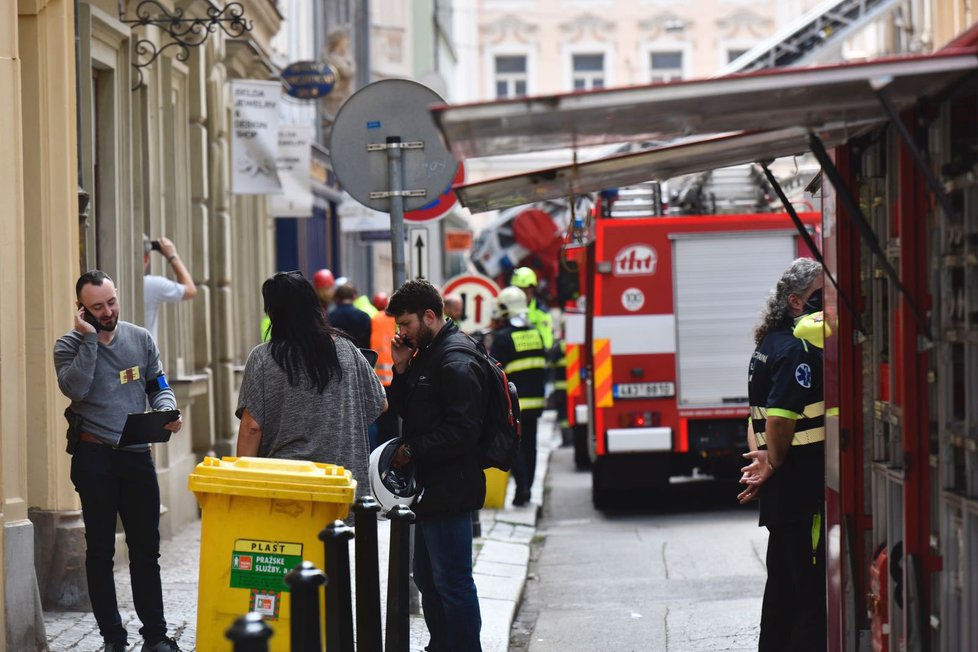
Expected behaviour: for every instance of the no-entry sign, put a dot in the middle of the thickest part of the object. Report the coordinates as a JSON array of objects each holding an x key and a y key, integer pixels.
[{"x": 478, "y": 298}]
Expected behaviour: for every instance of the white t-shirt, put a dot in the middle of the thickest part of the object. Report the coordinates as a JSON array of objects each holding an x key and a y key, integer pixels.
[{"x": 157, "y": 290}]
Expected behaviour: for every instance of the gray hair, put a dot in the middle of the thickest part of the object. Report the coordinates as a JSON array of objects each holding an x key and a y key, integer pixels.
[{"x": 795, "y": 280}]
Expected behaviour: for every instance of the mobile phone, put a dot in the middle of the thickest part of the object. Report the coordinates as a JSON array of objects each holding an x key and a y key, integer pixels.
[
  {"x": 155, "y": 245},
  {"x": 91, "y": 319}
]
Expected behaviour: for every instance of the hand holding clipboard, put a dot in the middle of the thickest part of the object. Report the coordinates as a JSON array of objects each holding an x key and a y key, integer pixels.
[{"x": 150, "y": 427}]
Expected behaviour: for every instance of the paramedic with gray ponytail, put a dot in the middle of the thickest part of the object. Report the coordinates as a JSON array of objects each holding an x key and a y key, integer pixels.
[{"x": 787, "y": 464}]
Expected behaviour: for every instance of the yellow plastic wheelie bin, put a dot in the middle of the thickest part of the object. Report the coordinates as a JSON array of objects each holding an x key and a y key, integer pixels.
[
  {"x": 496, "y": 482},
  {"x": 260, "y": 517}
]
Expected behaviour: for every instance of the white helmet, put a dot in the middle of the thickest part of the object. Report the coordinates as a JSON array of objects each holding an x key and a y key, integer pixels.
[
  {"x": 511, "y": 302},
  {"x": 391, "y": 487}
]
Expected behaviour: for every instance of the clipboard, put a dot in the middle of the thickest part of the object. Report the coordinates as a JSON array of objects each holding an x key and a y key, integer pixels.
[{"x": 147, "y": 427}]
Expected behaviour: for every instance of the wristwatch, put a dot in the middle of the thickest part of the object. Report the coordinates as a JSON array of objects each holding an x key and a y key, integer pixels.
[{"x": 407, "y": 450}]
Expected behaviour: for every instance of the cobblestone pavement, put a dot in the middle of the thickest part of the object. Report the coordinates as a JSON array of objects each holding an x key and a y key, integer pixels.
[{"x": 77, "y": 631}]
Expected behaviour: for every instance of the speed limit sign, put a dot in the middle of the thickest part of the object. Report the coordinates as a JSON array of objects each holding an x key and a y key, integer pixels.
[{"x": 478, "y": 295}]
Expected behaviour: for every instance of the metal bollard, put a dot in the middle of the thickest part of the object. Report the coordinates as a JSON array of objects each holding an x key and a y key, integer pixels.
[
  {"x": 368, "y": 575},
  {"x": 249, "y": 633},
  {"x": 304, "y": 582},
  {"x": 339, "y": 600},
  {"x": 398, "y": 578}
]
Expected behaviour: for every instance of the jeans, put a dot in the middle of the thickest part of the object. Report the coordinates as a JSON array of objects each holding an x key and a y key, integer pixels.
[
  {"x": 112, "y": 482},
  {"x": 443, "y": 573},
  {"x": 525, "y": 467}
]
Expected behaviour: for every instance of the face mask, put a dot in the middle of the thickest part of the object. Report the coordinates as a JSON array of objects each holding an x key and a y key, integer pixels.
[{"x": 814, "y": 303}]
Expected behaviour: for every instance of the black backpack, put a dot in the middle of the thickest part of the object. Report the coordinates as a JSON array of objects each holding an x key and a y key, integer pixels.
[{"x": 499, "y": 441}]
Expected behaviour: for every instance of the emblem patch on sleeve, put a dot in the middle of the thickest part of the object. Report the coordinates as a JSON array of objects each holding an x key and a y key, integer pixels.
[
  {"x": 803, "y": 374},
  {"x": 128, "y": 375}
]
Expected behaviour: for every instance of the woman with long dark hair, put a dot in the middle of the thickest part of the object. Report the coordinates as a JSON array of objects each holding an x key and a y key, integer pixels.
[{"x": 308, "y": 393}]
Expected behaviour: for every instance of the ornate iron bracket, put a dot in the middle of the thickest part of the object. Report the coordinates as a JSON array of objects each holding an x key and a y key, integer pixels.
[{"x": 186, "y": 32}]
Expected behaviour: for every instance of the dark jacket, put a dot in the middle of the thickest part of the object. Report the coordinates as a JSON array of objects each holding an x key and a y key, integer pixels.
[
  {"x": 352, "y": 321},
  {"x": 442, "y": 403}
]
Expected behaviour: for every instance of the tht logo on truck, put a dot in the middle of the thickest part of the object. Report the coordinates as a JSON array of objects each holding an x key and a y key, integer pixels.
[{"x": 635, "y": 260}]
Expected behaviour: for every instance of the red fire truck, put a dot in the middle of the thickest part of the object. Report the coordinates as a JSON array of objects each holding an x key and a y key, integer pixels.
[{"x": 667, "y": 337}]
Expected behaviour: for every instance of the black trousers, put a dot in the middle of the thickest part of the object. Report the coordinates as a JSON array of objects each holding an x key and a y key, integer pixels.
[
  {"x": 112, "y": 482},
  {"x": 793, "y": 614},
  {"x": 526, "y": 461}
]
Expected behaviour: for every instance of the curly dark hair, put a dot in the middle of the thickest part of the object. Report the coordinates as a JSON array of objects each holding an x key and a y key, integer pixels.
[
  {"x": 795, "y": 280},
  {"x": 301, "y": 338},
  {"x": 415, "y": 297}
]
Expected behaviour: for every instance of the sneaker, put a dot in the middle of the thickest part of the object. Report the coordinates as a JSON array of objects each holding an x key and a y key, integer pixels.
[{"x": 166, "y": 645}]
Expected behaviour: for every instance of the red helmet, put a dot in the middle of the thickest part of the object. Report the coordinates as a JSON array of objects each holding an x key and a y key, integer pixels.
[
  {"x": 323, "y": 279},
  {"x": 380, "y": 300}
]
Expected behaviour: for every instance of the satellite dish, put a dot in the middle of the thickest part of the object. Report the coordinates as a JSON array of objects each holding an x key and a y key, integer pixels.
[{"x": 390, "y": 108}]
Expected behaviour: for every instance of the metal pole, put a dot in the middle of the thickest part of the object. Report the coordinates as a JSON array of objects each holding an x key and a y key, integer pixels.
[
  {"x": 368, "y": 575},
  {"x": 395, "y": 173},
  {"x": 339, "y": 601},
  {"x": 249, "y": 633}
]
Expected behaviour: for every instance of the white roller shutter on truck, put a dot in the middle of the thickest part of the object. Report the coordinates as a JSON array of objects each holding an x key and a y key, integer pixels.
[{"x": 722, "y": 283}]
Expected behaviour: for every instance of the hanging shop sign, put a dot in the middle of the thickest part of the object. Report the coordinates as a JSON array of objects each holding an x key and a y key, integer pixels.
[
  {"x": 254, "y": 136},
  {"x": 308, "y": 80}
]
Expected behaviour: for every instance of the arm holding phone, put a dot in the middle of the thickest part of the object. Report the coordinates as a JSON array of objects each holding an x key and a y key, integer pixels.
[{"x": 169, "y": 251}]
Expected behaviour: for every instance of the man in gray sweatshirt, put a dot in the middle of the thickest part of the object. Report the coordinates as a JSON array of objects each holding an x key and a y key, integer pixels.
[{"x": 108, "y": 368}]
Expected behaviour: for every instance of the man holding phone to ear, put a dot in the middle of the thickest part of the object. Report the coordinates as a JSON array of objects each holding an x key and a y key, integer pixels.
[
  {"x": 159, "y": 289},
  {"x": 109, "y": 369}
]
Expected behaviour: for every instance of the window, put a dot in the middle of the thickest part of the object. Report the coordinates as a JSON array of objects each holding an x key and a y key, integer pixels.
[
  {"x": 732, "y": 55},
  {"x": 588, "y": 71},
  {"x": 510, "y": 76},
  {"x": 665, "y": 66}
]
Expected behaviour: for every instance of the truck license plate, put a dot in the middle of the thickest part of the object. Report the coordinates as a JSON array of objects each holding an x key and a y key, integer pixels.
[{"x": 643, "y": 390}]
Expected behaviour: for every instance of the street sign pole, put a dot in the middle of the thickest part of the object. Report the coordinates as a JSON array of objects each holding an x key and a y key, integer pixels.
[{"x": 396, "y": 181}]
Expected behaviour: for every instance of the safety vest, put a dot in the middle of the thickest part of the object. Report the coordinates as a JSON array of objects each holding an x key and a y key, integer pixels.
[
  {"x": 382, "y": 331},
  {"x": 796, "y": 379},
  {"x": 560, "y": 369},
  {"x": 524, "y": 360},
  {"x": 362, "y": 302},
  {"x": 540, "y": 319}
]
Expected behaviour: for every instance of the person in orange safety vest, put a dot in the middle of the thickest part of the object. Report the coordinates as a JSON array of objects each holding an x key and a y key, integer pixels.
[{"x": 382, "y": 330}]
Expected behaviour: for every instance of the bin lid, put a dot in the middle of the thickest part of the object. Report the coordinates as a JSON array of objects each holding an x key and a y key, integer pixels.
[{"x": 265, "y": 477}]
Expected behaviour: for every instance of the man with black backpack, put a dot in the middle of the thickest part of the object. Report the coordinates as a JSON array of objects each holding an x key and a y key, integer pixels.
[
  {"x": 439, "y": 391},
  {"x": 519, "y": 348}
]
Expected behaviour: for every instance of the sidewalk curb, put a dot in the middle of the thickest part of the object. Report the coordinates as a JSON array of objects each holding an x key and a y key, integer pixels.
[{"x": 503, "y": 561}]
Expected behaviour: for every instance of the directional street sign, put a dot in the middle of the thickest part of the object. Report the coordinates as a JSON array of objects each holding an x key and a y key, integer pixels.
[
  {"x": 419, "y": 253},
  {"x": 478, "y": 298}
]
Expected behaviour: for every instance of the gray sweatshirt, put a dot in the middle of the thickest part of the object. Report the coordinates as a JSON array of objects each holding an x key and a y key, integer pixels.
[{"x": 106, "y": 382}]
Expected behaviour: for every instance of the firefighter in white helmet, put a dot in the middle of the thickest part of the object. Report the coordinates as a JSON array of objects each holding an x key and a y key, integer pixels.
[
  {"x": 526, "y": 279},
  {"x": 519, "y": 347}
]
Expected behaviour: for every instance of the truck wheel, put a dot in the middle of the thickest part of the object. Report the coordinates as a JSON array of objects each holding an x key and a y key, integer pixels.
[
  {"x": 604, "y": 493},
  {"x": 582, "y": 459}
]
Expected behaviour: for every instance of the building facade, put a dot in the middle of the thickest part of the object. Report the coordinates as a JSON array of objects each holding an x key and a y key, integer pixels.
[{"x": 100, "y": 145}]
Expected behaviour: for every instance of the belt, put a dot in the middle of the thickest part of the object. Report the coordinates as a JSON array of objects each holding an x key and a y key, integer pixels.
[{"x": 91, "y": 439}]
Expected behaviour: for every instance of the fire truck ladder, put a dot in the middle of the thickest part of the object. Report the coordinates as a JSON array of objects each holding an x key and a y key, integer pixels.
[{"x": 814, "y": 37}]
